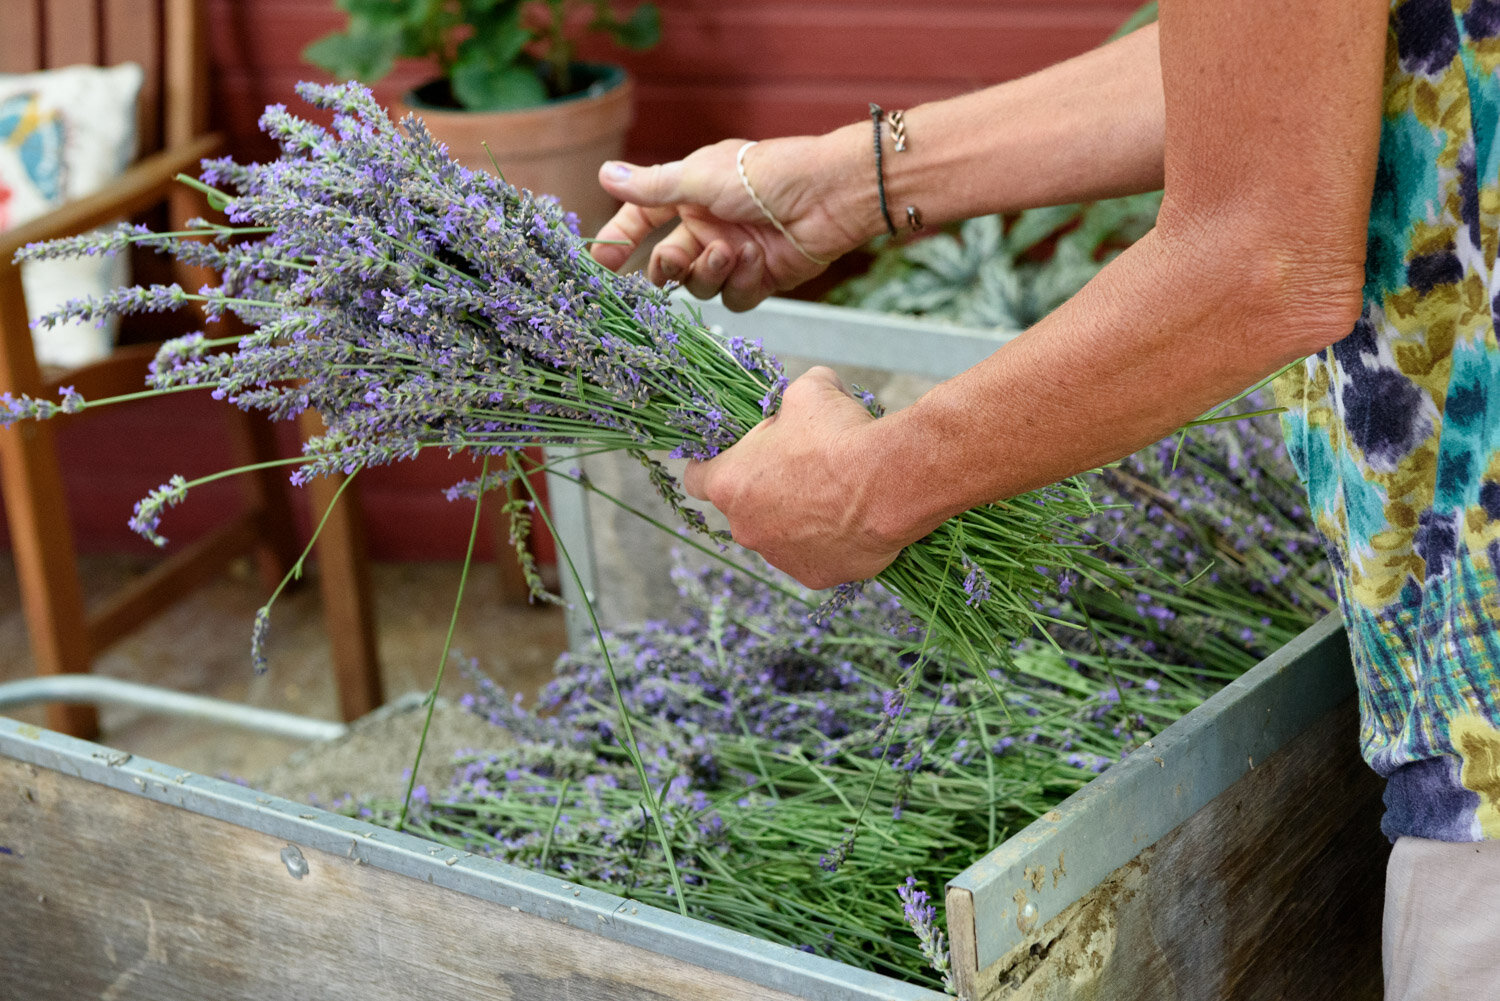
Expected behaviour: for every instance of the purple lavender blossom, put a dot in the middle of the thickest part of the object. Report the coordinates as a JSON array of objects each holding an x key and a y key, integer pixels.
[
  {"x": 148, "y": 510},
  {"x": 416, "y": 304},
  {"x": 921, "y": 915},
  {"x": 976, "y": 583}
]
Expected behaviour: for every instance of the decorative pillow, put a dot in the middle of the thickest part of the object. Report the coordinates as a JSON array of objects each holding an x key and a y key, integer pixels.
[{"x": 66, "y": 133}]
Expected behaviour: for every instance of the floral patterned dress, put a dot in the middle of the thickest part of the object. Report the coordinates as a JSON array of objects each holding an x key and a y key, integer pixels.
[{"x": 1396, "y": 430}]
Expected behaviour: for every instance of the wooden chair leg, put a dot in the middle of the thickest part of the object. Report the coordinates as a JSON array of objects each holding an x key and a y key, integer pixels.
[
  {"x": 344, "y": 584},
  {"x": 46, "y": 564}
]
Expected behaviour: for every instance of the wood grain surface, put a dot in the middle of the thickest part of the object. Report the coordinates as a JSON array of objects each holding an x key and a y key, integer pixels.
[
  {"x": 113, "y": 896},
  {"x": 1274, "y": 890}
]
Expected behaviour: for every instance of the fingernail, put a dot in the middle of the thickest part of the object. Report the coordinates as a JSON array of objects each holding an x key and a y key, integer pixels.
[
  {"x": 716, "y": 260},
  {"x": 669, "y": 269},
  {"x": 617, "y": 171}
]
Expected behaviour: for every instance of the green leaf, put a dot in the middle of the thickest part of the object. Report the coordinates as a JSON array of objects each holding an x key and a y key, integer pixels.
[
  {"x": 1034, "y": 225},
  {"x": 996, "y": 298},
  {"x": 481, "y": 87},
  {"x": 362, "y": 55},
  {"x": 475, "y": 12},
  {"x": 432, "y": 16},
  {"x": 983, "y": 239},
  {"x": 381, "y": 12},
  {"x": 1143, "y": 16},
  {"x": 642, "y": 29},
  {"x": 496, "y": 42},
  {"x": 944, "y": 256}
]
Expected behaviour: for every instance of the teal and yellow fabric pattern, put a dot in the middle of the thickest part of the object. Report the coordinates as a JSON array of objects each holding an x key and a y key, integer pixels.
[{"x": 1396, "y": 430}]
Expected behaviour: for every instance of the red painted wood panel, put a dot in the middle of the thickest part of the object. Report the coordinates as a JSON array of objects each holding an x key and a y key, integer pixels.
[
  {"x": 21, "y": 41},
  {"x": 756, "y": 68},
  {"x": 72, "y": 32},
  {"x": 768, "y": 67}
]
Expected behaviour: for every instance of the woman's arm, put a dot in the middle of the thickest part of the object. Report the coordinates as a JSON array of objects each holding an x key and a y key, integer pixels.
[
  {"x": 1271, "y": 133},
  {"x": 1087, "y": 128}
]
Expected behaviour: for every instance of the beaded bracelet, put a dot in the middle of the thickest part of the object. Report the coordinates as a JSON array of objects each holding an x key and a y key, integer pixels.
[
  {"x": 876, "y": 117},
  {"x": 897, "y": 122}
]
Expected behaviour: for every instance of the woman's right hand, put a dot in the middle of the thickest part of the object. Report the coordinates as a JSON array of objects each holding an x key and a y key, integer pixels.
[{"x": 725, "y": 244}]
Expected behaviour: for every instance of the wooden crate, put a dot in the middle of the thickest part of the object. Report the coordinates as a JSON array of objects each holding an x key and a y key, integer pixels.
[{"x": 1236, "y": 857}]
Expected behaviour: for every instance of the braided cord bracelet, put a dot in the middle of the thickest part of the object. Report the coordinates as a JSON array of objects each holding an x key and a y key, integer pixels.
[{"x": 897, "y": 122}]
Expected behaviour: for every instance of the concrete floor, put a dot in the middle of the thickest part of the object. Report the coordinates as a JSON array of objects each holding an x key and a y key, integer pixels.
[{"x": 202, "y": 646}]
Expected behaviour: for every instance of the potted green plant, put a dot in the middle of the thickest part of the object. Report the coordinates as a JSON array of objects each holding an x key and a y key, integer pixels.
[{"x": 507, "y": 77}]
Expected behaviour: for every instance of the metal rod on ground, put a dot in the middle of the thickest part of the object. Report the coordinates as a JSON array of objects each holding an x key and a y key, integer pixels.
[{"x": 98, "y": 690}]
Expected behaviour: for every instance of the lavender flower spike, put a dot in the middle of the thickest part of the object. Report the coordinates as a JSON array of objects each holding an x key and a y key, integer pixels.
[
  {"x": 148, "y": 510},
  {"x": 976, "y": 583},
  {"x": 921, "y": 915}
]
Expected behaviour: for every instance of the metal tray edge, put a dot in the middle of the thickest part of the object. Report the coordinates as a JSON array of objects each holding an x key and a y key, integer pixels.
[{"x": 1058, "y": 858}]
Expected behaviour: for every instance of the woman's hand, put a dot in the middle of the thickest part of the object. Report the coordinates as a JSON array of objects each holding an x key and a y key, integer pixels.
[
  {"x": 804, "y": 488},
  {"x": 725, "y": 243}
]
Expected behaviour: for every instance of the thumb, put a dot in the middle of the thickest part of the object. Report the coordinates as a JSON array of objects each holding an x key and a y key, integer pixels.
[
  {"x": 661, "y": 184},
  {"x": 692, "y": 480},
  {"x": 703, "y": 178}
]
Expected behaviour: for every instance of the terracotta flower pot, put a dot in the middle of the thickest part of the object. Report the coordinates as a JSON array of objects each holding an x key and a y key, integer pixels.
[{"x": 554, "y": 149}]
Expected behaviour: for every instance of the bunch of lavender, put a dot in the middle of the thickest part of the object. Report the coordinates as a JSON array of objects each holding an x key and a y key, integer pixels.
[
  {"x": 771, "y": 734},
  {"x": 775, "y": 734},
  {"x": 1218, "y": 561},
  {"x": 416, "y": 304}
]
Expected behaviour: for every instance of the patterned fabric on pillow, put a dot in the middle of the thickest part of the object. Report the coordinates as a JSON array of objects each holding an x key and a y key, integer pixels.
[{"x": 65, "y": 133}]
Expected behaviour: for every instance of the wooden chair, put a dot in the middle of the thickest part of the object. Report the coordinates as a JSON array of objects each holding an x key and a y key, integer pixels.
[{"x": 167, "y": 38}]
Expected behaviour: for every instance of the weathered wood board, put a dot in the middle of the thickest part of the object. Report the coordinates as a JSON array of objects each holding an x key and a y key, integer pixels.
[
  {"x": 1271, "y": 889},
  {"x": 111, "y": 894}
]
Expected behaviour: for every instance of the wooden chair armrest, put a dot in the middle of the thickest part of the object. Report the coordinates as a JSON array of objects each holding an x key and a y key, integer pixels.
[{"x": 142, "y": 185}]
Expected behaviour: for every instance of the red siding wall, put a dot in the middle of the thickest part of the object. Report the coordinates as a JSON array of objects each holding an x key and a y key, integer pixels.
[{"x": 755, "y": 68}]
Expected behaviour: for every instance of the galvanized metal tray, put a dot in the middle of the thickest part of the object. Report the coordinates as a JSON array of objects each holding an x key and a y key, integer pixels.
[{"x": 127, "y": 878}]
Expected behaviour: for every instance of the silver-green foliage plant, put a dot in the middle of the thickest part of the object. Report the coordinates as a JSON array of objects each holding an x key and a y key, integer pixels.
[
  {"x": 994, "y": 272},
  {"x": 999, "y": 273}
]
